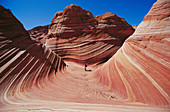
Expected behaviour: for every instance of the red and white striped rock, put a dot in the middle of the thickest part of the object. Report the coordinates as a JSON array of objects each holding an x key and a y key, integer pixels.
[
  {"x": 139, "y": 71},
  {"x": 24, "y": 63},
  {"x": 75, "y": 35},
  {"x": 136, "y": 78}
]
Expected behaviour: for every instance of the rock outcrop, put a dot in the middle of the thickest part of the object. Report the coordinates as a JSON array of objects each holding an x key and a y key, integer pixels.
[
  {"x": 39, "y": 33},
  {"x": 139, "y": 71},
  {"x": 24, "y": 63},
  {"x": 136, "y": 78},
  {"x": 135, "y": 26},
  {"x": 74, "y": 29}
]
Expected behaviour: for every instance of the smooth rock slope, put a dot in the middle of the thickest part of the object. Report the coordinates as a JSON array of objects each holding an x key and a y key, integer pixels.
[
  {"x": 23, "y": 63},
  {"x": 140, "y": 70},
  {"x": 135, "y": 79}
]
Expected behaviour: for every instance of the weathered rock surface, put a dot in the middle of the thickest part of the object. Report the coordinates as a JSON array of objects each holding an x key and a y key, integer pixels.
[
  {"x": 24, "y": 63},
  {"x": 139, "y": 71},
  {"x": 39, "y": 33},
  {"x": 74, "y": 34},
  {"x": 135, "y": 79}
]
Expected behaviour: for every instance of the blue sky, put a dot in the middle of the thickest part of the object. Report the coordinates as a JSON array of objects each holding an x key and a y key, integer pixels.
[{"x": 34, "y": 13}]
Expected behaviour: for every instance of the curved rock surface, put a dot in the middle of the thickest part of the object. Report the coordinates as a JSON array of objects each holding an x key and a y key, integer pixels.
[
  {"x": 39, "y": 33},
  {"x": 23, "y": 63},
  {"x": 139, "y": 71},
  {"x": 74, "y": 34},
  {"x": 136, "y": 78}
]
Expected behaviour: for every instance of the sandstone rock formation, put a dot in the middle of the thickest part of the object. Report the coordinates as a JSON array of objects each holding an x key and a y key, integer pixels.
[
  {"x": 136, "y": 78},
  {"x": 23, "y": 62},
  {"x": 39, "y": 33},
  {"x": 74, "y": 29},
  {"x": 135, "y": 26},
  {"x": 139, "y": 71}
]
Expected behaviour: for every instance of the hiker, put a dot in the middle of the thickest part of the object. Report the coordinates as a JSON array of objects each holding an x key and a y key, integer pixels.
[{"x": 85, "y": 67}]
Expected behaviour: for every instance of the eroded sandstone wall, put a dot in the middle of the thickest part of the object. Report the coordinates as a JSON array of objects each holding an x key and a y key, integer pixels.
[
  {"x": 139, "y": 71},
  {"x": 24, "y": 63}
]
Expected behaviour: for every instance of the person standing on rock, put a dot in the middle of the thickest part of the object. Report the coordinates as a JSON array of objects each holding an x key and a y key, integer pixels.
[
  {"x": 85, "y": 68},
  {"x": 85, "y": 65}
]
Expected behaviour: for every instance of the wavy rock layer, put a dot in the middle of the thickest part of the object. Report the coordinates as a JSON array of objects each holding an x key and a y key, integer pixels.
[
  {"x": 139, "y": 71},
  {"x": 39, "y": 33},
  {"x": 134, "y": 79},
  {"x": 74, "y": 34},
  {"x": 23, "y": 63}
]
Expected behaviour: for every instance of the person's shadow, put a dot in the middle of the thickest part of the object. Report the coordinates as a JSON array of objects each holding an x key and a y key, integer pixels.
[{"x": 88, "y": 70}]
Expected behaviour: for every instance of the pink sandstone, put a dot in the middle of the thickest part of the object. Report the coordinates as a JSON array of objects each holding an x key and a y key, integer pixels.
[
  {"x": 74, "y": 30},
  {"x": 136, "y": 78},
  {"x": 139, "y": 71}
]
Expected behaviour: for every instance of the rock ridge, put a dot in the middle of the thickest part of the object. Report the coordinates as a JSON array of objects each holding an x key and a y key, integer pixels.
[{"x": 76, "y": 28}]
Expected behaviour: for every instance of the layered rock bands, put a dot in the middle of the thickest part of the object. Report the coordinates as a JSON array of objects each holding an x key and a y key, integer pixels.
[
  {"x": 135, "y": 78},
  {"x": 74, "y": 34},
  {"x": 23, "y": 62},
  {"x": 139, "y": 71}
]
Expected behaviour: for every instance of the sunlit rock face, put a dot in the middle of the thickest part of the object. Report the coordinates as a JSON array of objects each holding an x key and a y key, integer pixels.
[
  {"x": 135, "y": 26},
  {"x": 135, "y": 79},
  {"x": 139, "y": 71},
  {"x": 24, "y": 63},
  {"x": 39, "y": 33},
  {"x": 74, "y": 34}
]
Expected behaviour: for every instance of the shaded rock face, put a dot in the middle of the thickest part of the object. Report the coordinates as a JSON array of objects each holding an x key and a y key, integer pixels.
[
  {"x": 39, "y": 33},
  {"x": 139, "y": 71},
  {"x": 114, "y": 25},
  {"x": 23, "y": 62},
  {"x": 14, "y": 27},
  {"x": 75, "y": 29}
]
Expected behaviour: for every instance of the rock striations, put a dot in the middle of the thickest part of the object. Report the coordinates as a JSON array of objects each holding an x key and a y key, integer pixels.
[
  {"x": 139, "y": 71},
  {"x": 39, "y": 33},
  {"x": 135, "y": 79},
  {"x": 74, "y": 34},
  {"x": 23, "y": 62}
]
